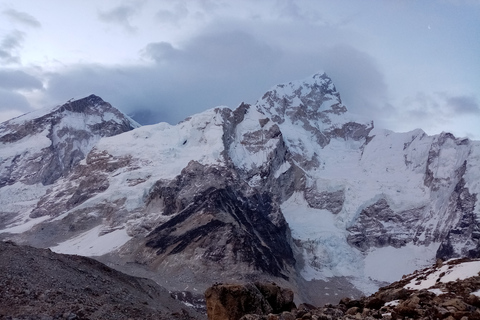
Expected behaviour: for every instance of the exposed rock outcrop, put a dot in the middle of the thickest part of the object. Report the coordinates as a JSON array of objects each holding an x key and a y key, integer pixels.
[
  {"x": 233, "y": 301},
  {"x": 228, "y": 227}
]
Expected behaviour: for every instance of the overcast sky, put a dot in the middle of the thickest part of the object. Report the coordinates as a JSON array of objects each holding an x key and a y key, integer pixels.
[{"x": 404, "y": 64}]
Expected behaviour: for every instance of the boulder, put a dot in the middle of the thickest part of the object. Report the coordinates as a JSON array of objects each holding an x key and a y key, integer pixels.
[
  {"x": 280, "y": 299},
  {"x": 233, "y": 301}
]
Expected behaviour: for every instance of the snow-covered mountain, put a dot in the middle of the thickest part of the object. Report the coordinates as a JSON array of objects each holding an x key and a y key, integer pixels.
[
  {"x": 38, "y": 148},
  {"x": 293, "y": 188}
]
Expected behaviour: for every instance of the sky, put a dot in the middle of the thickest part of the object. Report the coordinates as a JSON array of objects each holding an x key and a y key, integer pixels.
[{"x": 404, "y": 64}]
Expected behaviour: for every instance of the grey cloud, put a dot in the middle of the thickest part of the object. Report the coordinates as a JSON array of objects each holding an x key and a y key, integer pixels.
[
  {"x": 10, "y": 100},
  {"x": 216, "y": 52},
  {"x": 291, "y": 10},
  {"x": 463, "y": 104},
  {"x": 358, "y": 79},
  {"x": 17, "y": 79},
  {"x": 211, "y": 70},
  {"x": 433, "y": 111},
  {"x": 219, "y": 68},
  {"x": 161, "y": 51},
  {"x": 9, "y": 47},
  {"x": 120, "y": 15},
  {"x": 440, "y": 105},
  {"x": 174, "y": 16},
  {"x": 23, "y": 18}
]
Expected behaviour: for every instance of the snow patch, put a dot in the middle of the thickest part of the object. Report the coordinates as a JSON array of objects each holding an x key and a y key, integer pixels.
[
  {"x": 93, "y": 243},
  {"x": 436, "y": 291},
  {"x": 392, "y": 303},
  {"x": 282, "y": 169},
  {"x": 444, "y": 274}
]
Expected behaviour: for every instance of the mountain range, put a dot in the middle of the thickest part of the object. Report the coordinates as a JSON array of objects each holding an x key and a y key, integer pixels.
[{"x": 293, "y": 188}]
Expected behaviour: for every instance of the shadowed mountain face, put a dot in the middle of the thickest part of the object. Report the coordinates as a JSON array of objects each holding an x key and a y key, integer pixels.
[
  {"x": 293, "y": 189},
  {"x": 225, "y": 222}
]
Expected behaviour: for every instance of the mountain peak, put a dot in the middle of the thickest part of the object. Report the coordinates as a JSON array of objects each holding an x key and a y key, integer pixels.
[
  {"x": 82, "y": 104},
  {"x": 314, "y": 97},
  {"x": 313, "y": 107},
  {"x": 57, "y": 137}
]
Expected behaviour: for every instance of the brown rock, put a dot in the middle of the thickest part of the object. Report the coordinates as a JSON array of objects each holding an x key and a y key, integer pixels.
[
  {"x": 374, "y": 303},
  {"x": 287, "y": 316},
  {"x": 232, "y": 301},
  {"x": 280, "y": 299},
  {"x": 253, "y": 317},
  {"x": 456, "y": 303},
  {"x": 352, "y": 311},
  {"x": 393, "y": 294}
]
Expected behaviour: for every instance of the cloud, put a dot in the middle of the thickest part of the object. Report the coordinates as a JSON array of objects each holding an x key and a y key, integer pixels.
[
  {"x": 359, "y": 80},
  {"x": 161, "y": 51},
  {"x": 217, "y": 53},
  {"x": 435, "y": 112},
  {"x": 23, "y": 18},
  {"x": 173, "y": 16},
  {"x": 18, "y": 80},
  {"x": 217, "y": 68},
  {"x": 463, "y": 104},
  {"x": 120, "y": 15},
  {"x": 9, "y": 47},
  {"x": 440, "y": 105},
  {"x": 12, "y": 101},
  {"x": 210, "y": 70}
]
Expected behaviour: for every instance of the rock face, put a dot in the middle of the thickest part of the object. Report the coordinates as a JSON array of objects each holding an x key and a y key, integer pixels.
[
  {"x": 40, "y": 284},
  {"x": 291, "y": 189},
  {"x": 222, "y": 224},
  {"x": 233, "y": 301}
]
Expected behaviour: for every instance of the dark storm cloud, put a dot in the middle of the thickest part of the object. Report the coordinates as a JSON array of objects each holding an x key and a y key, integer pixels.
[
  {"x": 9, "y": 47},
  {"x": 463, "y": 104},
  {"x": 17, "y": 79},
  {"x": 121, "y": 15},
  {"x": 23, "y": 18}
]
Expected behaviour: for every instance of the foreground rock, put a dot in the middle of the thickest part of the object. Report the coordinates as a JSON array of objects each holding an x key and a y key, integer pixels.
[
  {"x": 232, "y": 301},
  {"x": 448, "y": 290},
  {"x": 40, "y": 284}
]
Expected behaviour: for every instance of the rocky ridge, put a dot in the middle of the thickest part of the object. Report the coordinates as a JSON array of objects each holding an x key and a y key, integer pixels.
[{"x": 449, "y": 290}]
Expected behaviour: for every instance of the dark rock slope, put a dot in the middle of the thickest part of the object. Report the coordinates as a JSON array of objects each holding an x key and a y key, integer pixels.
[{"x": 39, "y": 284}]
